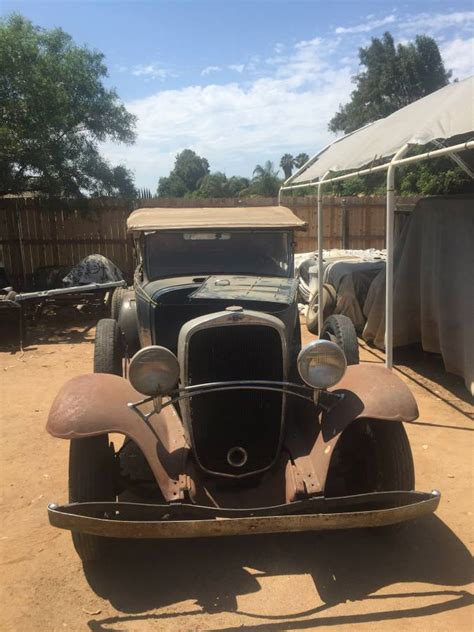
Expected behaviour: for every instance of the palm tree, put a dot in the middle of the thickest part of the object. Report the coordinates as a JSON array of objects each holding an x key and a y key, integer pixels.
[
  {"x": 265, "y": 180},
  {"x": 286, "y": 163},
  {"x": 300, "y": 159}
]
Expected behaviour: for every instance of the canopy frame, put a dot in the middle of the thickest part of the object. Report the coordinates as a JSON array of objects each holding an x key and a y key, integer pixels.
[{"x": 397, "y": 160}]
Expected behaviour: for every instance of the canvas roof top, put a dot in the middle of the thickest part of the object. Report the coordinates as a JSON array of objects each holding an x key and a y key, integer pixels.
[
  {"x": 441, "y": 115},
  {"x": 241, "y": 217}
]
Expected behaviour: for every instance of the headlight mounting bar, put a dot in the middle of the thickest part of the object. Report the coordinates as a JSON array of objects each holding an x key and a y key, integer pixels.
[{"x": 289, "y": 388}]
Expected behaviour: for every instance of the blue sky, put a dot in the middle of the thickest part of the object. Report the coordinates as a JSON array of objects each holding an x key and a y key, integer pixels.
[{"x": 240, "y": 82}]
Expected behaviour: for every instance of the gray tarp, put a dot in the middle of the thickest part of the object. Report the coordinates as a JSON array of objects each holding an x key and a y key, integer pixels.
[
  {"x": 433, "y": 301},
  {"x": 443, "y": 114},
  {"x": 93, "y": 269}
]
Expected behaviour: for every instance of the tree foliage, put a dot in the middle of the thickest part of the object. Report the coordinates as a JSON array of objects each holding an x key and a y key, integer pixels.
[
  {"x": 287, "y": 163},
  {"x": 186, "y": 176},
  {"x": 237, "y": 185},
  {"x": 300, "y": 160},
  {"x": 265, "y": 180},
  {"x": 393, "y": 77},
  {"x": 213, "y": 185},
  {"x": 55, "y": 111},
  {"x": 217, "y": 185}
]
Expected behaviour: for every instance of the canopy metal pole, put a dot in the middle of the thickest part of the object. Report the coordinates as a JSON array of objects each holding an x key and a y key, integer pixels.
[
  {"x": 320, "y": 253},
  {"x": 446, "y": 151},
  {"x": 389, "y": 266}
]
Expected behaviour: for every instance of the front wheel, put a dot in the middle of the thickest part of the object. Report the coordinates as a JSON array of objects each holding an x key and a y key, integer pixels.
[
  {"x": 372, "y": 455},
  {"x": 91, "y": 478}
]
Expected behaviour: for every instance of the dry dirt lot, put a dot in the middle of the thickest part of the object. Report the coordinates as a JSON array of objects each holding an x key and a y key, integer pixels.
[{"x": 415, "y": 580}]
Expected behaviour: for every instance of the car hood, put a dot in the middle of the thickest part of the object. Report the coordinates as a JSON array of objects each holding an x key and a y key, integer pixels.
[{"x": 249, "y": 288}]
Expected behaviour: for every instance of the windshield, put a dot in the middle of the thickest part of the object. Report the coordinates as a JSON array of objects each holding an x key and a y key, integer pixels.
[{"x": 263, "y": 253}]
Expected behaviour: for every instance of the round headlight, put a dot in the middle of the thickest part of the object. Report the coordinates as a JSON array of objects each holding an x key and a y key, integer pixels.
[
  {"x": 154, "y": 371},
  {"x": 321, "y": 364}
]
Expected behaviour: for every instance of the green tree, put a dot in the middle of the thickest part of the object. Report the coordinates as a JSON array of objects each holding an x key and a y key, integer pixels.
[
  {"x": 237, "y": 185},
  {"x": 265, "y": 180},
  {"x": 286, "y": 163},
  {"x": 55, "y": 111},
  {"x": 393, "y": 77},
  {"x": 214, "y": 185},
  {"x": 144, "y": 194},
  {"x": 300, "y": 160},
  {"x": 171, "y": 186},
  {"x": 186, "y": 176}
]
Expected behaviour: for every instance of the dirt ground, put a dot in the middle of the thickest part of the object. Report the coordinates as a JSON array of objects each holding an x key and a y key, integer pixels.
[{"x": 416, "y": 580}]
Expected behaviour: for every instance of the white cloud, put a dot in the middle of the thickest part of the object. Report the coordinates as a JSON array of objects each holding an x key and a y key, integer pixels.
[
  {"x": 209, "y": 70},
  {"x": 435, "y": 22},
  {"x": 239, "y": 124},
  {"x": 151, "y": 71},
  {"x": 365, "y": 27},
  {"x": 275, "y": 105},
  {"x": 237, "y": 67},
  {"x": 458, "y": 56}
]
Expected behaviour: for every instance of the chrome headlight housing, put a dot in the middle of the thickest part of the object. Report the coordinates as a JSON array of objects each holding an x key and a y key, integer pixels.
[
  {"x": 154, "y": 371},
  {"x": 321, "y": 364}
]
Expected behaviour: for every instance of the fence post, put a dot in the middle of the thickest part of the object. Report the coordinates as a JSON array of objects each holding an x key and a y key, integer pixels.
[
  {"x": 345, "y": 225},
  {"x": 20, "y": 241}
]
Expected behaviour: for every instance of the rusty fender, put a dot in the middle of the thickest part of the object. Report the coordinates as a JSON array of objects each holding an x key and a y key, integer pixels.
[
  {"x": 371, "y": 392},
  {"x": 97, "y": 403}
]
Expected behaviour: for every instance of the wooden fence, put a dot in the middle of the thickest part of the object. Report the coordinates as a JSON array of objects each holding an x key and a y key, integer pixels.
[{"x": 37, "y": 233}]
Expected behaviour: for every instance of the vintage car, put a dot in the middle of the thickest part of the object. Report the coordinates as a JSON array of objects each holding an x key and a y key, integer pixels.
[{"x": 229, "y": 426}]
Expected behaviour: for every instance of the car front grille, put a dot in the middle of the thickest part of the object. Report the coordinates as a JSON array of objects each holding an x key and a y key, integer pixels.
[{"x": 246, "y": 419}]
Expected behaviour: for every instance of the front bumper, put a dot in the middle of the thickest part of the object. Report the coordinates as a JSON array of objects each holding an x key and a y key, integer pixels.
[{"x": 138, "y": 520}]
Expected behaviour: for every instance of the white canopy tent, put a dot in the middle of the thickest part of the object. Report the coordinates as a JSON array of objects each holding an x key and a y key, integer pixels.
[{"x": 437, "y": 118}]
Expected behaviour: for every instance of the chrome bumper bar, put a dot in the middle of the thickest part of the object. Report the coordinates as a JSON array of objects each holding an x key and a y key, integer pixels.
[{"x": 138, "y": 520}]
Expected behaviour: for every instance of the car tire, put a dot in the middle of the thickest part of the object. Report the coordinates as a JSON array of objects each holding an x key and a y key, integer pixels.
[
  {"x": 340, "y": 329},
  {"x": 372, "y": 455},
  {"x": 329, "y": 302},
  {"x": 108, "y": 348},
  {"x": 92, "y": 459},
  {"x": 116, "y": 301},
  {"x": 91, "y": 478}
]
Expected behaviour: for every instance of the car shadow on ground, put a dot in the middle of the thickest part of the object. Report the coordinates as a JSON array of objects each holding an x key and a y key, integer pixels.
[
  {"x": 427, "y": 371},
  {"x": 345, "y": 566},
  {"x": 52, "y": 330}
]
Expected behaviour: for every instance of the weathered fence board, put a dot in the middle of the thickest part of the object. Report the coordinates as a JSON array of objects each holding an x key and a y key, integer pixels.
[{"x": 36, "y": 233}]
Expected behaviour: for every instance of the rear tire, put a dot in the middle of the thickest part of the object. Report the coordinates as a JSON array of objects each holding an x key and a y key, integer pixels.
[
  {"x": 329, "y": 303},
  {"x": 117, "y": 298},
  {"x": 372, "y": 455},
  {"x": 91, "y": 478},
  {"x": 108, "y": 349},
  {"x": 340, "y": 329}
]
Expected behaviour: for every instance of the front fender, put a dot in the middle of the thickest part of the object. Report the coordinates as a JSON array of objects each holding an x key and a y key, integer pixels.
[
  {"x": 97, "y": 403},
  {"x": 370, "y": 391}
]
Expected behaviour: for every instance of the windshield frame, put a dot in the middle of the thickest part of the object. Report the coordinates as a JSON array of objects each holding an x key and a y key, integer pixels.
[{"x": 145, "y": 253}]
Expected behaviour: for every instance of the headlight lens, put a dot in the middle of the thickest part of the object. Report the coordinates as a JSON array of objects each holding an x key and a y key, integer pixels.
[
  {"x": 154, "y": 371},
  {"x": 321, "y": 364}
]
